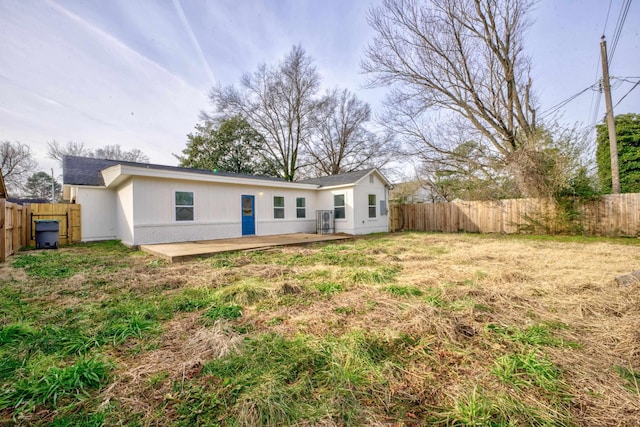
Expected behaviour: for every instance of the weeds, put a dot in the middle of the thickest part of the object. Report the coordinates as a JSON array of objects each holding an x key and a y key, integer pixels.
[
  {"x": 404, "y": 291},
  {"x": 104, "y": 256},
  {"x": 525, "y": 370},
  {"x": 632, "y": 378},
  {"x": 536, "y": 335},
  {"x": 228, "y": 311},
  {"x": 276, "y": 381},
  {"x": 346, "y": 352},
  {"x": 74, "y": 381},
  {"x": 329, "y": 288},
  {"x": 379, "y": 275}
]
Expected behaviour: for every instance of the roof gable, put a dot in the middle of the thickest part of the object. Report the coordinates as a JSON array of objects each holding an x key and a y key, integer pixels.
[{"x": 348, "y": 178}]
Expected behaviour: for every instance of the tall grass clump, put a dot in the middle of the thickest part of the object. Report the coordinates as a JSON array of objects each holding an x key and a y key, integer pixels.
[
  {"x": 524, "y": 370},
  {"x": 55, "y": 385},
  {"x": 273, "y": 380}
]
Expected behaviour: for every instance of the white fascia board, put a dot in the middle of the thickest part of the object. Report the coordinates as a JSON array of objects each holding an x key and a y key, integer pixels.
[
  {"x": 114, "y": 175},
  {"x": 337, "y": 187}
]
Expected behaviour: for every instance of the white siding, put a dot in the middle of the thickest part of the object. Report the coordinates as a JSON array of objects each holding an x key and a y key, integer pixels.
[
  {"x": 325, "y": 201},
  {"x": 217, "y": 211},
  {"x": 124, "y": 214},
  {"x": 142, "y": 210},
  {"x": 364, "y": 224},
  {"x": 97, "y": 214}
]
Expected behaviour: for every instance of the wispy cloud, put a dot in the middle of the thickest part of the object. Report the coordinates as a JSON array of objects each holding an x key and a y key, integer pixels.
[{"x": 194, "y": 41}]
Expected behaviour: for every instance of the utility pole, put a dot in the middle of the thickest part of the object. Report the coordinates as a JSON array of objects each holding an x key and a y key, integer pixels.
[
  {"x": 613, "y": 145},
  {"x": 53, "y": 188}
]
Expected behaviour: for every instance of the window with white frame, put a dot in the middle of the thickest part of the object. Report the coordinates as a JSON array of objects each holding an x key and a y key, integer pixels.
[
  {"x": 339, "y": 211},
  {"x": 301, "y": 207},
  {"x": 372, "y": 205},
  {"x": 184, "y": 205},
  {"x": 278, "y": 207}
]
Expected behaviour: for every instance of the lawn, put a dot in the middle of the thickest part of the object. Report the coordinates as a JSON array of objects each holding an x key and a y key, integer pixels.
[{"x": 397, "y": 329}]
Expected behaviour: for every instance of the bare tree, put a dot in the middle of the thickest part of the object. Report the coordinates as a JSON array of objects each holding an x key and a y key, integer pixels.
[
  {"x": 57, "y": 152},
  {"x": 115, "y": 152},
  {"x": 461, "y": 61},
  {"x": 341, "y": 141},
  {"x": 279, "y": 103},
  {"x": 17, "y": 163}
]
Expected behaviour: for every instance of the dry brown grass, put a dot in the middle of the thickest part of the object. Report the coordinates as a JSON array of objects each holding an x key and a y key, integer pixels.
[{"x": 473, "y": 281}]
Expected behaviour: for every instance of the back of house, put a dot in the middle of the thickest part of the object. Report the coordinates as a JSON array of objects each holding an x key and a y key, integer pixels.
[{"x": 141, "y": 203}]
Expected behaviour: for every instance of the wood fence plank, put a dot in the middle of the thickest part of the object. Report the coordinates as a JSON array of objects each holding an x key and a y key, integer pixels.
[
  {"x": 3, "y": 239},
  {"x": 614, "y": 214}
]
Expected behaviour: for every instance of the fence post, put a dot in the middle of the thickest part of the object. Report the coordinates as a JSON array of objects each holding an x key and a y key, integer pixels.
[
  {"x": 15, "y": 234},
  {"x": 3, "y": 237}
]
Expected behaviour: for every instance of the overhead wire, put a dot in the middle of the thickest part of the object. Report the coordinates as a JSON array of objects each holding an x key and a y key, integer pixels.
[
  {"x": 625, "y": 95},
  {"x": 596, "y": 96},
  {"x": 566, "y": 101},
  {"x": 622, "y": 17}
]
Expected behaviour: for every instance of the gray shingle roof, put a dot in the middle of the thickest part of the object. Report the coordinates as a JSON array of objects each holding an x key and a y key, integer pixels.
[
  {"x": 87, "y": 171},
  {"x": 340, "y": 179}
]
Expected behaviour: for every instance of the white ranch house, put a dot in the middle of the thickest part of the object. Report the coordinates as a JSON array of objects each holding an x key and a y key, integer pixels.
[{"x": 141, "y": 203}]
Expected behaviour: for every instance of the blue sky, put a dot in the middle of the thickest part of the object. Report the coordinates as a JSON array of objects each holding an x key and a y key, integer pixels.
[{"x": 137, "y": 72}]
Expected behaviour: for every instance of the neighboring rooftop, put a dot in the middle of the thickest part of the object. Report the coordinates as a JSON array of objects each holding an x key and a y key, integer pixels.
[{"x": 87, "y": 170}]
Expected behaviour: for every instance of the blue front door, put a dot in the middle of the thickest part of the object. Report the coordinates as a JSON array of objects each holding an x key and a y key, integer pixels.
[{"x": 248, "y": 216}]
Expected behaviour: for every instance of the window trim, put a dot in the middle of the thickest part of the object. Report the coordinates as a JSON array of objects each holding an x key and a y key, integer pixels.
[
  {"x": 343, "y": 206},
  {"x": 278, "y": 208},
  {"x": 375, "y": 210},
  {"x": 176, "y": 206},
  {"x": 301, "y": 209}
]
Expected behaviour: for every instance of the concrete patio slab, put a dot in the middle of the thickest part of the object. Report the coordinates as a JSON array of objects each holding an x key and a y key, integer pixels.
[{"x": 175, "y": 252}]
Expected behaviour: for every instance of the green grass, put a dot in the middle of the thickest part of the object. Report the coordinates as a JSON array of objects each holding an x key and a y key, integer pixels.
[
  {"x": 404, "y": 291},
  {"x": 535, "y": 335},
  {"x": 59, "y": 264},
  {"x": 480, "y": 408},
  {"x": 631, "y": 377},
  {"x": 329, "y": 288},
  {"x": 525, "y": 370},
  {"x": 278, "y": 381},
  {"x": 227, "y": 311},
  {"x": 379, "y": 275},
  {"x": 55, "y": 385},
  {"x": 345, "y": 352},
  {"x": 193, "y": 299}
]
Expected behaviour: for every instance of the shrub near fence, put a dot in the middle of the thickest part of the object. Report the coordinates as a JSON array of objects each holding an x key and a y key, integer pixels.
[
  {"x": 17, "y": 224},
  {"x": 611, "y": 215}
]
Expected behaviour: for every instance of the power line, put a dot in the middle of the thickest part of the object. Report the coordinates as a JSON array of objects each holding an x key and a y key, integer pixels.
[
  {"x": 628, "y": 92},
  {"x": 566, "y": 101},
  {"x": 622, "y": 17},
  {"x": 606, "y": 20}
]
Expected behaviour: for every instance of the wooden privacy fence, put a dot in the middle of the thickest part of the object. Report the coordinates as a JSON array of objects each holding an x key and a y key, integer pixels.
[
  {"x": 17, "y": 224},
  {"x": 611, "y": 215}
]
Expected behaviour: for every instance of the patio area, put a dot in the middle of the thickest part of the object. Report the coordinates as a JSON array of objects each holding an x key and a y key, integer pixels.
[{"x": 176, "y": 252}]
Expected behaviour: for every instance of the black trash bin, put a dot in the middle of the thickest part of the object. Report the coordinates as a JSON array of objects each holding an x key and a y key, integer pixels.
[{"x": 47, "y": 232}]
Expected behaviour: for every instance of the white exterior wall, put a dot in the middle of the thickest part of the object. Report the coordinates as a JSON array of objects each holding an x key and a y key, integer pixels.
[
  {"x": 97, "y": 215},
  {"x": 325, "y": 201},
  {"x": 124, "y": 213},
  {"x": 364, "y": 224},
  {"x": 217, "y": 211}
]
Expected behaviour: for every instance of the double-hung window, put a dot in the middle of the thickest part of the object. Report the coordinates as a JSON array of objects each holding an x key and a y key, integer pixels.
[
  {"x": 278, "y": 207},
  {"x": 184, "y": 205},
  {"x": 301, "y": 207},
  {"x": 339, "y": 211},
  {"x": 372, "y": 205}
]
